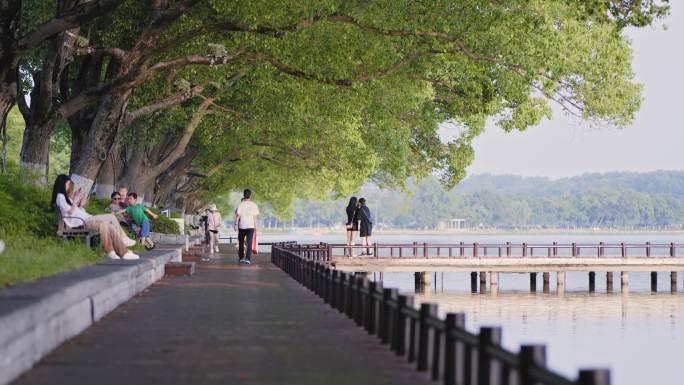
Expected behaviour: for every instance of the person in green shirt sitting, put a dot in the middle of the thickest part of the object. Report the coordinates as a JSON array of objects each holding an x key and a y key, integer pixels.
[{"x": 137, "y": 212}]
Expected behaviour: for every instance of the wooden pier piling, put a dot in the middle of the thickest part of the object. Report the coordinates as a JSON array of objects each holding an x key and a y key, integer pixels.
[
  {"x": 545, "y": 280},
  {"x": 473, "y": 282},
  {"x": 673, "y": 281},
  {"x": 609, "y": 282}
]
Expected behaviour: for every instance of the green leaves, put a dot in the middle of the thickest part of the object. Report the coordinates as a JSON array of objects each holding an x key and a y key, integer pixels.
[{"x": 339, "y": 92}]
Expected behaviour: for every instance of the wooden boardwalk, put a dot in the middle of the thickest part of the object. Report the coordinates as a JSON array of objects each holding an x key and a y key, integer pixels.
[{"x": 227, "y": 324}]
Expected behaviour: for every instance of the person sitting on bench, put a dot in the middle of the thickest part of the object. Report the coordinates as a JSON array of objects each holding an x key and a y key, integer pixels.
[
  {"x": 115, "y": 242},
  {"x": 115, "y": 207}
]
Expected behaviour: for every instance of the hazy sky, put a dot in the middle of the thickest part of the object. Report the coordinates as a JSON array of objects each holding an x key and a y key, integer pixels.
[{"x": 565, "y": 147}]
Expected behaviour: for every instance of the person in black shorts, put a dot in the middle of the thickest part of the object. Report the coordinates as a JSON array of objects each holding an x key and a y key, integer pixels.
[{"x": 365, "y": 225}]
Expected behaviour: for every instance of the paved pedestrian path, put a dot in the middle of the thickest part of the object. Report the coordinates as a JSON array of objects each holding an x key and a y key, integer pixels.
[{"x": 227, "y": 324}]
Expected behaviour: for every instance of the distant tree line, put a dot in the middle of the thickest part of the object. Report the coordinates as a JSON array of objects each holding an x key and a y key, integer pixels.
[{"x": 618, "y": 199}]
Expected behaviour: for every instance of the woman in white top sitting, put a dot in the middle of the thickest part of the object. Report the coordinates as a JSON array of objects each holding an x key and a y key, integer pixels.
[{"x": 114, "y": 240}]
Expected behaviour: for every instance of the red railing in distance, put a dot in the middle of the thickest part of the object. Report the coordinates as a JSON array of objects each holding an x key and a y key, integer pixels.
[{"x": 328, "y": 251}]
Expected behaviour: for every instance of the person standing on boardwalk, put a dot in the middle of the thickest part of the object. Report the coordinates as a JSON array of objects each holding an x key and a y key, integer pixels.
[
  {"x": 366, "y": 225},
  {"x": 214, "y": 222},
  {"x": 245, "y": 222},
  {"x": 352, "y": 225}
]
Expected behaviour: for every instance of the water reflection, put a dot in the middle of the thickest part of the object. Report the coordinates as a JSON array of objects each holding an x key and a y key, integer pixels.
[{"x": 635, "y": 333}]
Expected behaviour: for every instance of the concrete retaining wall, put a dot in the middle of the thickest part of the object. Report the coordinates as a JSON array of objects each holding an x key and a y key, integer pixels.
[
  {"x": 37, "y": 317},
  {"x": 175, "y": 239}
]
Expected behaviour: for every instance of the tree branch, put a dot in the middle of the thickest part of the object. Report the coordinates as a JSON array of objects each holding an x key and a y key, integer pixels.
[
  {"x": 114, "y": 52},
  {"x": 282, "y": 67},
  {"x": 195, "y": 59},
  {"x": 162, "y": 104},
  {"x": 84, "y": 11}
]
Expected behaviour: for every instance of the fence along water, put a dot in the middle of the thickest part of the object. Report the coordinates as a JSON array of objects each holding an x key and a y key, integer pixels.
[{"x": 441, "y": 347}]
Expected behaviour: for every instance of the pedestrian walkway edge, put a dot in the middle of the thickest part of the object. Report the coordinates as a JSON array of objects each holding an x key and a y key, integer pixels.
[{"x": 37, "y": 317}]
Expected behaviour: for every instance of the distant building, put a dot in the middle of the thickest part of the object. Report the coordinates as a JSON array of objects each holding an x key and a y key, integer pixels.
[{"x": 452, "y": 224}]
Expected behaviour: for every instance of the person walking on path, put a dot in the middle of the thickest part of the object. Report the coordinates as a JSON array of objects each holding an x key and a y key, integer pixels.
[
  {"x": 245, "y": 222},
  {"x": 352, "y": 225},
  {"x": 366, "y": 225},
  {"x": 214, "y": 222}
]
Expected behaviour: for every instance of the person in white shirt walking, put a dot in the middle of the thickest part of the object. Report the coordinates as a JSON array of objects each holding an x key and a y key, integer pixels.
[{"x": 245, "y": 222}]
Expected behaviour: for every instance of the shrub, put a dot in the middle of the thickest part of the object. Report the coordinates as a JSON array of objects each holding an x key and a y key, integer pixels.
[
  {"x": 25, "y": 209},
  {"x": 163, "y": 224}
]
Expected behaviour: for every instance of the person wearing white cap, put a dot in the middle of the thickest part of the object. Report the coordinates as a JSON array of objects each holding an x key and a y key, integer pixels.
[{"x": 214, "y": 222}]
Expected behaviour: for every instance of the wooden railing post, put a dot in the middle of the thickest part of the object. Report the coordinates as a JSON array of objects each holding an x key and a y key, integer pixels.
[
  {"x": 489, "y": 336},
  {"x": 425, "y": 250},
  {"x": 427, "y": 310},
  {"x": 399, "y": 328},
  {"x": 475, "y": 250},
  {"x": 386, "y": 314},
  {"x": 648, "y": 249},
  {"x": 333, "y": 289},
  {"x": 358, "y": 303},
  {"x": 453, "y": 350},
  {"x": 531, "y": 355},
  {"x": 594, "y": 377},
  {"x": 341, "y": 292},
  {"x": 623, "y": 249},
  {"x": 672, "y": 249},
  {"x": 371, "y": 307},
  {"x": 327, "y": 279},
  {"x": 349, "y": 295}
]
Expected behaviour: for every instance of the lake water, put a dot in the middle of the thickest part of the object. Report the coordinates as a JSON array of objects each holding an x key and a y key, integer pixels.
[{"x": 638, "y": 335}]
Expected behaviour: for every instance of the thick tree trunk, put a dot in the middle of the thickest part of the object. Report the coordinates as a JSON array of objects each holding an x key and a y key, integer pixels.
[
  {"x": 40, "y": 117},
  {"x": 168, "y": 181},
  {"x": 35, "y": 152},
  {"x": 89, "y": 73},
  {"x": 112, "y": 171},
  {"x": 102, "y": 135},
  {"x": 4, "y": 112},
  {"x": 9, "y": 23}
]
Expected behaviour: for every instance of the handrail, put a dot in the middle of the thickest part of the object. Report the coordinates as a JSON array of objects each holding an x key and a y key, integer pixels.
[
  {"x": 442, "y": 347},
  {"x": 325, "y": 251}
]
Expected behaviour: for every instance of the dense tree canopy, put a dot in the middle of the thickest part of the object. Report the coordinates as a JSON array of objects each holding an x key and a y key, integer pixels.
[{"x": 187, "y": 99}]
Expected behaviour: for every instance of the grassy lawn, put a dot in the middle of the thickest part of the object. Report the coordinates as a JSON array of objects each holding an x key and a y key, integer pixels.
[
  {"x": 28, "y": 226},
  {"x": 27, "y": 257}
]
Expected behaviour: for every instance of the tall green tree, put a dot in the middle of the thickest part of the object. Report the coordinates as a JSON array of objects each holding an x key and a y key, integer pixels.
[{"x": 334, "y": 92}]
